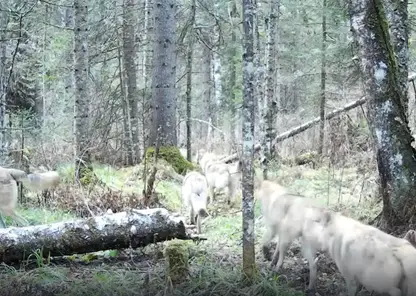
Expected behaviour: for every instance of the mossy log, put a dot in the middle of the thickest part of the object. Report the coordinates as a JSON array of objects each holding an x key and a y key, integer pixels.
[{"x": 135, "y": 228}]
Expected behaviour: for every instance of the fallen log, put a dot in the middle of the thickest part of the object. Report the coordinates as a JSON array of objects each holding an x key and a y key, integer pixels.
[
  {"x": 309, "y": 124},
  {"x": 233, "y": 157},
  {"x": 335, "y": 113},
  {"x": 136, "y": 228}
]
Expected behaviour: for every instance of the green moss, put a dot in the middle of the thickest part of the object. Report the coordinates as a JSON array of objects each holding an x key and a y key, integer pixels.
[
  {"x": 173, "y": 156},
  {"x": 177, "y": 256}
]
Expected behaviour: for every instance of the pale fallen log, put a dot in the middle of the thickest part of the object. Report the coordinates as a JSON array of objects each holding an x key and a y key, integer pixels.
[
  {"x": 297, "y": 130},
  {"x": 135, "y": 228},
  {"x": 234, "y": 157},
  {"x": 301, "y": 128}
]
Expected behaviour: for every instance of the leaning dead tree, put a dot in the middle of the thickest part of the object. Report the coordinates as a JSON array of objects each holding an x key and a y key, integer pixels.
[
  {"x": 134, "y": 229},
  {"x": 303, "y": 127}
]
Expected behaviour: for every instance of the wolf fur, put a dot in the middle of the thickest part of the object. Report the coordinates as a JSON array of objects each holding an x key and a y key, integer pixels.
[
  {"x": 288, "y": 217},
  {"x": 369, "y": 257},
  {"x": 195, "y": 196},
  {"x": 9, "y": 194},
  {"x": 220, "y": 176},
  {"x": 42, "y": 181}
]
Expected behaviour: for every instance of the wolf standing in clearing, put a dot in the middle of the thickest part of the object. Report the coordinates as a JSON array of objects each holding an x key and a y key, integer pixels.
[{"x": 195, "y": 196}]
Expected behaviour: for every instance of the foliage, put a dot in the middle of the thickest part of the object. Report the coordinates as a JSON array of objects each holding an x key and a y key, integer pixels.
[{"x": 173, "y": 156}]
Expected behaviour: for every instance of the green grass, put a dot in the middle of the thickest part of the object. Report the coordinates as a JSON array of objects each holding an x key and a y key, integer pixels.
[{"x": 215, "y": 264}]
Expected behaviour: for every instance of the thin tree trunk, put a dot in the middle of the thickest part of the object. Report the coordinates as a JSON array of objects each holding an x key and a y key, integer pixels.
[
  {"x": 129, "y": 58},
  {"x": 233, "y": 74},
  {"x": 270, "y": 103},
  {"x": 214, "y": 111},
  {"x": 189, "y": 83},
  {"x": 248, "y": 142},
  {"x": 323, "y": 81}
]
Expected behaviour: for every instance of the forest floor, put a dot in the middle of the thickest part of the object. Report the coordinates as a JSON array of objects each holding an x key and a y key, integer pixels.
[{"x": 215, "y": 264}]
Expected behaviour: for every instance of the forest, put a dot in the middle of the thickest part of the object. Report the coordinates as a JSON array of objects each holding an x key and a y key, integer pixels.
[{"x": 207, "y": 147}]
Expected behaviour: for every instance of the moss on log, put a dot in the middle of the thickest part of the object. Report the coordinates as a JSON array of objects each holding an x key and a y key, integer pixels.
[{"x": 136, "y": 228}]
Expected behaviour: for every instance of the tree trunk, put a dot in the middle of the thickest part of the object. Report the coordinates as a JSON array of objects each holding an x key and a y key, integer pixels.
[
  {"x": 217, "y": 67},
  {"x": 82, "y": 152},
  {"x": 129, "y": 59},
  {"x": 270, "y": 103},
  {"x": 323, "y": 81},
  {"x": 233, "y": 73},
  {"x": 248, "y": 142},
  {"x": 259, "y": 89},
  {"x": 397, "y": 16},
  {"x": 164, "y": 75},
  {"x": 114, "y": 231},
  {"x": 387, "y": 116},
  {"x": 189, "y": 83},
  {"x": 147, "y": 69},
  {"x": 3, "y": 83}
]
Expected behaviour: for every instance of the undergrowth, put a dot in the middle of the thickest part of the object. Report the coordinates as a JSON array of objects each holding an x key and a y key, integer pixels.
[{"x": 214, "y": 264}]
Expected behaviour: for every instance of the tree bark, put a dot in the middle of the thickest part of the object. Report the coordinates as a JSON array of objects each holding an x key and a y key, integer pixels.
[
  {"x": 164, "y": 75},
  {"x": 382, "y": 75},
  {"x": 189, "y": 84},
  {"x": 81, "y": 70},
  {"x": 248, "y": 141},
  {"x": 129, "y": 59},
  {"x": 234, "y": 19},
  {"x": 323, "y": 82},
  {"x": 114, "y": 231}
]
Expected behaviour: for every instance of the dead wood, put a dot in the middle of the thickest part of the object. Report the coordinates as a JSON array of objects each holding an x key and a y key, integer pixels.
[
  {"x": 233, "y": 157},
  {"x": 136, "y": 228}
]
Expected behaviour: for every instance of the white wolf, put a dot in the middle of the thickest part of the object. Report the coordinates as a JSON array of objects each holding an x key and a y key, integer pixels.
[
  {"x": 195, "y": 196},
  {"x": 220, "y": 176},
  {"x": 8, "y": 195},
  {"x": 369, "y": 257},
  {"x": 288, "y": 217}
]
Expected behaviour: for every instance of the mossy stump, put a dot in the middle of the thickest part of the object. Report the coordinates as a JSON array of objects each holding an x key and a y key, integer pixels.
[
  {"x": 173, "y": 156},
  {"x": 177, "y": 257}
]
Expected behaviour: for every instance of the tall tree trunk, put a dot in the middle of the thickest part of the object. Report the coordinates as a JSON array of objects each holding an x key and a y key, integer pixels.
[
  {"x": 270, "y": 103},
  {"x": 206, "y": 84},
  {"x": 3, "y": 81},
  {"x": 323, "y": 81},
  {"x": 147, "y": 69},
  {"x": 233, "y": 73},
  {"x": 214, "y": 112},
  {"x": 248, "y": 141},
  {"x": 164, "y": 72},
  {"x": 129, "y": 59},
  {"x": 386, "y": 111},
  {"x": 397, "y": 15},
  {"x": 127, "y": 144},
  {"x": 82, "y": 152},
  {"x": 69, "y": 75},
  {"x": 189, "y": 83}
]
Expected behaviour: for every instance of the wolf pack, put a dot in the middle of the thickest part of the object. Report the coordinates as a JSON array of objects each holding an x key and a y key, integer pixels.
[
  {"x": 364, "y": 255},
  {"x": 9, "y": 190}
]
